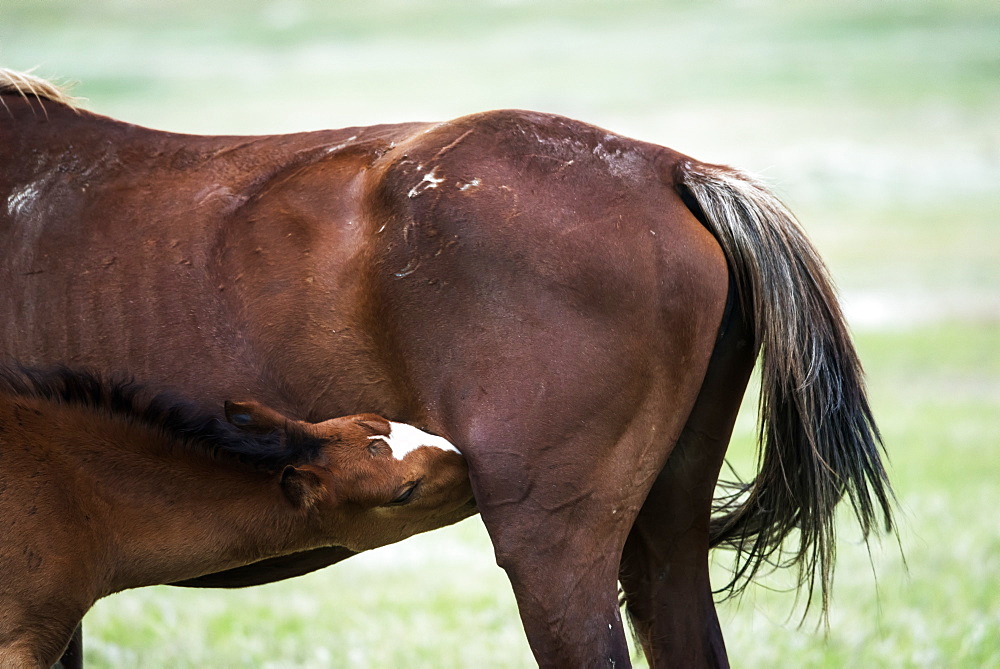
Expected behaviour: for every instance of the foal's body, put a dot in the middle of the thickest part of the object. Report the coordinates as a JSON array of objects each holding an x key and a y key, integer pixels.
[
  {"x": 549, "y": 295},
  {"x": 97, "y": 498}
]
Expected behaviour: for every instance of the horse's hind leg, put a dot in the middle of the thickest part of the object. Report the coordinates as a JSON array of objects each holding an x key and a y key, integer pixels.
[
  {"x": 562, "y": 449},
  {"x": 664, "y": 567},
  {"x": 558, "y": 519}
]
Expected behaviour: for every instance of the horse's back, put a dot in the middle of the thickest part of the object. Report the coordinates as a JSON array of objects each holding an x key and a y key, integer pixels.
[{"x": 281, "y": 264}]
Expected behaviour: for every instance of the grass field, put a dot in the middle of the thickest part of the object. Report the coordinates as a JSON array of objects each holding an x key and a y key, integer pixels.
[{"x": 878, "y": 123}]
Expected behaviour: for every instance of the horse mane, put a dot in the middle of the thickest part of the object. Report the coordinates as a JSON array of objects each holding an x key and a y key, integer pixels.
[
  {"x": 26, "y": 84},
  {"x": 180, "y": 420}
]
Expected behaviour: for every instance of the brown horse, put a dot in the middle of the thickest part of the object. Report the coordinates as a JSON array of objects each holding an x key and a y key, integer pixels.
[
  {"x": 104, "y": 489},
  {"x": 577, "y": 311}
]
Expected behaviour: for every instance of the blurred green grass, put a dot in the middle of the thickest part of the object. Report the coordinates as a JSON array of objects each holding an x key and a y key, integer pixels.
[{"x": 879, "y": 123}]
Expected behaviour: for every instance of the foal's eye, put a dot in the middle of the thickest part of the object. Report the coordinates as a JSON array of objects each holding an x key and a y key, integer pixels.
[
  {"x": 404, "y": 495},
  {"x": 378, "y": 447}
]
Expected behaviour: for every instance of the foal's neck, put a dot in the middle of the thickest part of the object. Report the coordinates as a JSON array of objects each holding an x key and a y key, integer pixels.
[{"x": 171, "y": 511}]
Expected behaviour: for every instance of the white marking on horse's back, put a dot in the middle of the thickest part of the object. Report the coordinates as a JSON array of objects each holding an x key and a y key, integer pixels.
[
  {"x": 429, "y": 179},
  {"x": 621, "y": 163},
  {"x": 403, "y": 439},
  {"x": 23, "y": 199},
  {"x": 337, "y": 147}
]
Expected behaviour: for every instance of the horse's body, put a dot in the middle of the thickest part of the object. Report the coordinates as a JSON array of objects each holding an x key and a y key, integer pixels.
[
  {"x": 103, "y": 489},
  {"x": 553, "y": 298}
]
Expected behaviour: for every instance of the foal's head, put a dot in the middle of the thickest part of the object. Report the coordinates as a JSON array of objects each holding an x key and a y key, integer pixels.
[{"x": 372, "y": 482}]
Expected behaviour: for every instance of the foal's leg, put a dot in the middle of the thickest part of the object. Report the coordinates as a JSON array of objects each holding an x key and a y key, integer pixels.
[{"x": 664, "y": 568}]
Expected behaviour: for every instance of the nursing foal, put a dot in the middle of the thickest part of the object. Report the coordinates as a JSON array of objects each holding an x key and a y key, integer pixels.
[{"x": 106, "y": 486}]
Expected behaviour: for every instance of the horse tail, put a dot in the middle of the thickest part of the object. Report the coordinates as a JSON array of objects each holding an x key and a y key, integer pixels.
[{"x": 817, "y": 438}]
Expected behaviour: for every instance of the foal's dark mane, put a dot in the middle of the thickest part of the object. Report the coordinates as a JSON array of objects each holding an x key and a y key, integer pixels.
[{"x": 179, "y": 419}]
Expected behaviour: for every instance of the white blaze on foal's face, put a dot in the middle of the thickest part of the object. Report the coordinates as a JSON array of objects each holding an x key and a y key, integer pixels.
[
  {"x": 367, "y": 480},
  {"x": 403, "y": 439}
]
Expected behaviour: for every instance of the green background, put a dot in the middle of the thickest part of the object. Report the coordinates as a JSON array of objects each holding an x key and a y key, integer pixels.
[{"x": 878, "y": 122}]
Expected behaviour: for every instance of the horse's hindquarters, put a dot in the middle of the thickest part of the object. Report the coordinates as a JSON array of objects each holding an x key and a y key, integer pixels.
[{"x": 554, "y": 307}]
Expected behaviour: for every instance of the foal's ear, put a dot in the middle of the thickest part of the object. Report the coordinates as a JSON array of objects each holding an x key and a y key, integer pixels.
[
  {"x": 337, "y": 429},
  {"x": 254, "y": 417},
  {"x": 302, "y": 486},
  {"x": 374, "y": 424}
]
